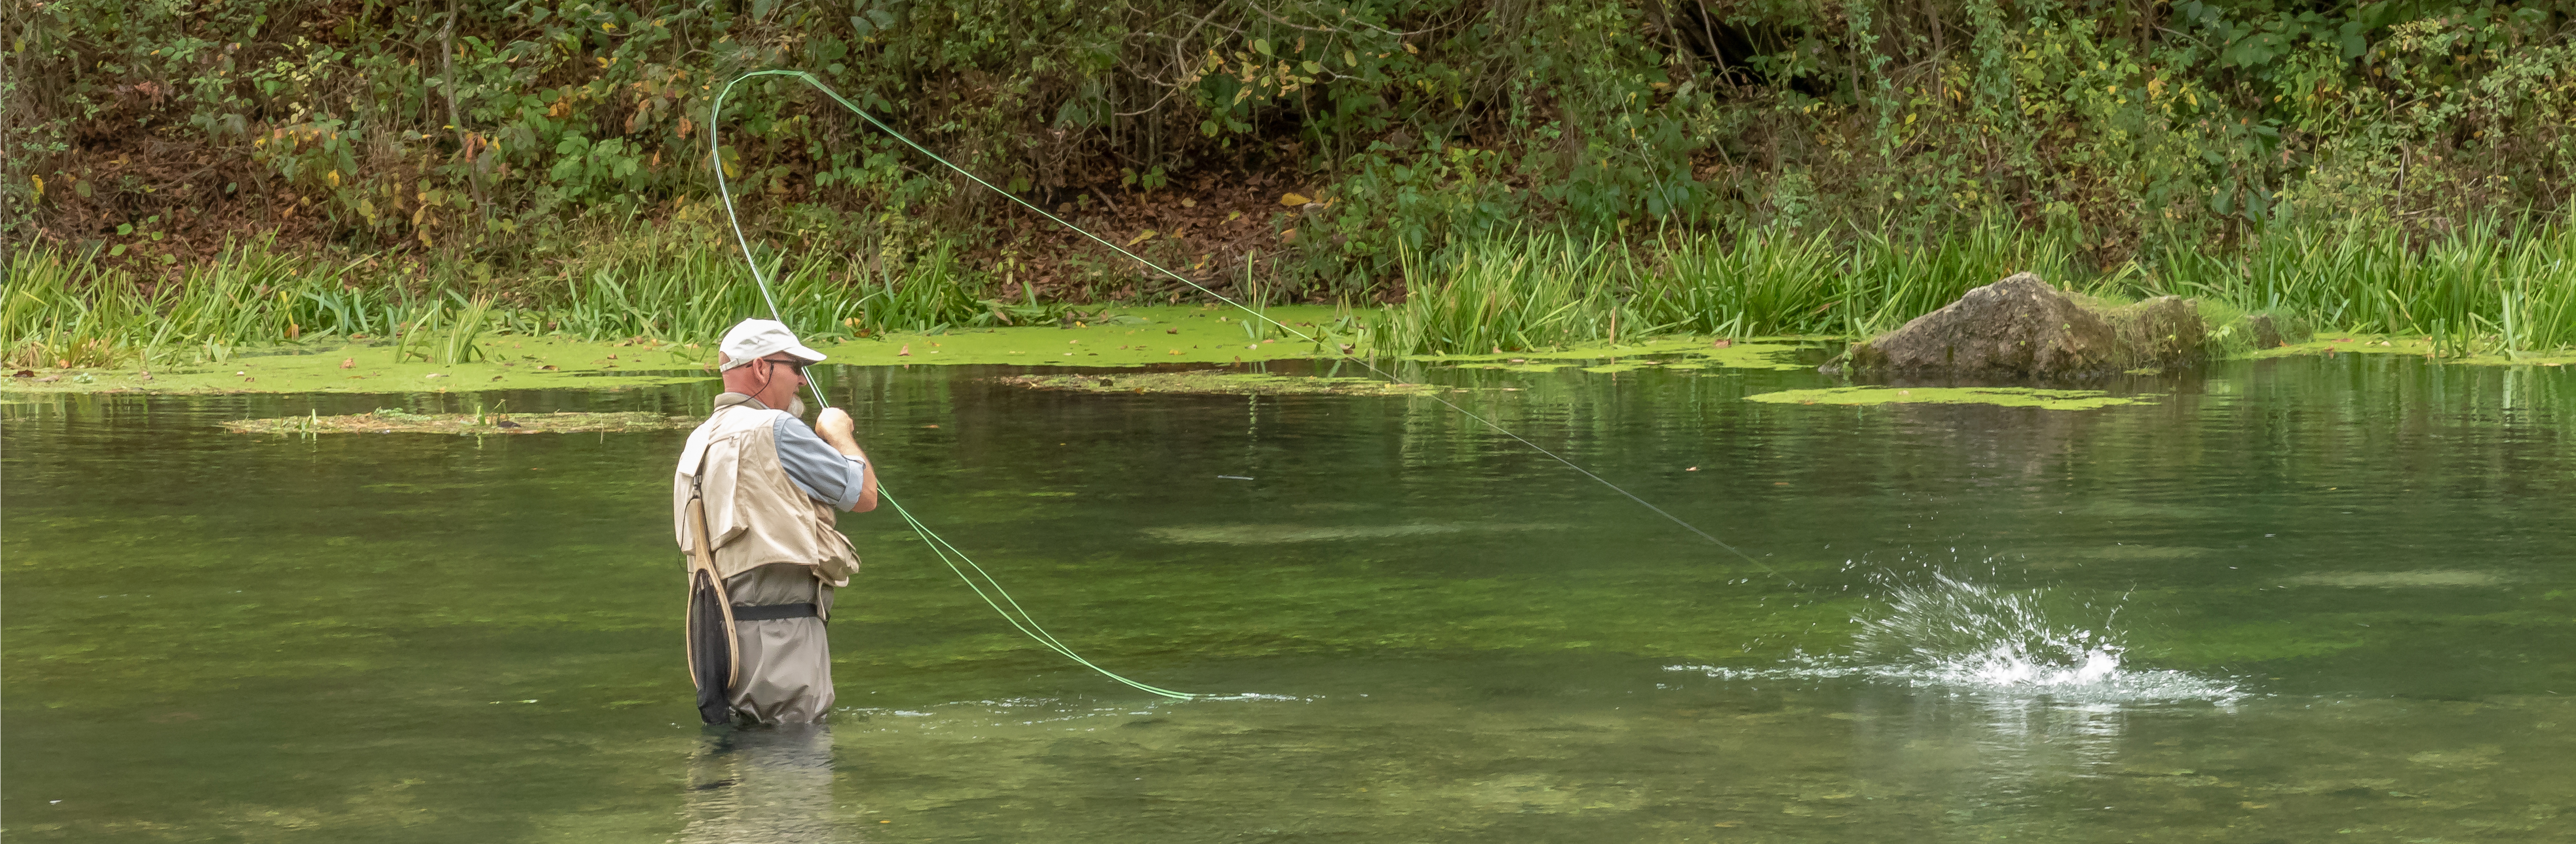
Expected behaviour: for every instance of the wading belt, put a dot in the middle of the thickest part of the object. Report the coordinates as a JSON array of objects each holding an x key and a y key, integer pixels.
[
  {"x": 715, "y": 656},
  {"x": 774, "y": 612}
]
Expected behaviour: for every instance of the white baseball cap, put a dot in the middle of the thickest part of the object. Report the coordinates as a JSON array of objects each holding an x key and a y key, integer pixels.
[{"x": 754, "y": 339}]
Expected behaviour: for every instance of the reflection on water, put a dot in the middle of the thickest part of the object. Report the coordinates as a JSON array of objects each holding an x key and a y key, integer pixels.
[
  {"x": 2295, "y": 598},
  {"x": 762, "y": 784}
]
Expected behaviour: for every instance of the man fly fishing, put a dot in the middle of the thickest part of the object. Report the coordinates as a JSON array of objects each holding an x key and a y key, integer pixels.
[{"x": 753, "y": 504}]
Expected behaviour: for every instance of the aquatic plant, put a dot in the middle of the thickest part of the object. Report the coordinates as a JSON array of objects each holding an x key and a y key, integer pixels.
[
  {"x": 48, "y": 320},
  {"x": 1508, "y": 294},
  {"x": 67, "y": 309},
  {"x": 1760, "y": 282},
  {"x": 1772, "y": 280},
  {"x": 479, "y": 422},
  {"x": 2485, "y": 291},
  {"x": 2478, "y": 291},
  {"x": 1894, "y": 280},
  {"x": 2480, "y": 288},
  {"x": 692, "y": 289}
]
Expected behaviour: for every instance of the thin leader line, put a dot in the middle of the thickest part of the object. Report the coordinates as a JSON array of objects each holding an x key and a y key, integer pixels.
[
  {"x": 1024, "y": 622},
  {"x": 818, "y": 85}
]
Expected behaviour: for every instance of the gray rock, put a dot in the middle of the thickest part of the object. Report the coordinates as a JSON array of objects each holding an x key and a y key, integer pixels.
[{"x": 2022, "y": 328}]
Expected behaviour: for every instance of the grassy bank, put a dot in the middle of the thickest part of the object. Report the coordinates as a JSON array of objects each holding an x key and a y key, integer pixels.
[
  {"x": 2474, "y": 294},
  {"x": 71, "y": 310}
]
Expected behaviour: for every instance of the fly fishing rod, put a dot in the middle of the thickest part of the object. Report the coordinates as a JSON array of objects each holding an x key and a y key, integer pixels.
[
  {"x": 1017, "y": 616},
  {"x": 940, "y": 546}
]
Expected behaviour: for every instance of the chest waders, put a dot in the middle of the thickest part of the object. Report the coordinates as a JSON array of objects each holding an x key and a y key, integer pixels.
[{"x": 715, "y": 656}]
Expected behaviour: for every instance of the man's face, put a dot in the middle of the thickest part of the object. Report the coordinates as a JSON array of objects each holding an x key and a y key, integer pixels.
[
  {"x": 772, "y": 380},
  {"x": 785, "y": 375}
]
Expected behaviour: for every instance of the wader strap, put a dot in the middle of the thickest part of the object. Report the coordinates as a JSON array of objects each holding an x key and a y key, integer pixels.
[{"x": 774, "y": 612}]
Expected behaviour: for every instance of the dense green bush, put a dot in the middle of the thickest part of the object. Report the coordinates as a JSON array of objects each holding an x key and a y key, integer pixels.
[{"x": 473, "y": 131}]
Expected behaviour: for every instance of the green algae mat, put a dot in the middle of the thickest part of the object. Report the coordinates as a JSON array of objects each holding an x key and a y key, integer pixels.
[
  {"x": 2002, "y": 396},
  {"x": 393, "y": 421},
  {"x": 1678, "y": 353},
  {"x": 1116, "y": 337},
  {"x": 1121, "y": 338},
  {"x": 1125, "y": 337},
  {"x": 2346, "y": 343},
  {"x": 1219, "y": 382}
]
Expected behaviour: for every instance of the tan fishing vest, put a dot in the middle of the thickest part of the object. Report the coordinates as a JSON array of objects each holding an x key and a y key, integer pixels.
[{"x": 755, "y": 515}]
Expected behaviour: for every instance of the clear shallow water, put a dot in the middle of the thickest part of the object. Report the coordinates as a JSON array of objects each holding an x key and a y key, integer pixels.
[{"x": 2337, "y": 599}]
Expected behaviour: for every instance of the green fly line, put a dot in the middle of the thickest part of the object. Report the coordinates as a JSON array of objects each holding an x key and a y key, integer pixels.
[{"x": 1018, "y": 617}]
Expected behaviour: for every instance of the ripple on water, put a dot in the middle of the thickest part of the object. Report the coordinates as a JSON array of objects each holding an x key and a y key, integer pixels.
[{"x": 2429, "y": 578}]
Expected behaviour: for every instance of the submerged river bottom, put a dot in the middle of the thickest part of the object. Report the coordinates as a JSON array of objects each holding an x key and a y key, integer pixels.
[{"x": 2284, "y": 600}]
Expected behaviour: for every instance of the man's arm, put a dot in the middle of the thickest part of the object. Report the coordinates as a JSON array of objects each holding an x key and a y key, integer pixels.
[
  {"x": 835, "y": 474},
  {"x": 836, "y": 428}
]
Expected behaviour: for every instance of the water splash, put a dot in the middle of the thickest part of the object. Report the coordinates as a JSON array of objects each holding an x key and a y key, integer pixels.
[
  {"x": 1961, "y": 633},
  {"x": 1958, "y": 635}
]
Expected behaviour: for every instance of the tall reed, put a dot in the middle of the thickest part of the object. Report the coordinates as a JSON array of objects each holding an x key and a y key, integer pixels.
[
  {"x": 2478, "y": 291},
  {"x": 2512, "y": 294},
  {"x": 1506, "y": 295},
  {"x": 695, "y": 293},
  {"x": 1758, "y": 282},
  {"x": 1892, "y": 281},
  {"x": 2482, "y": 290},
  {"x": 67, "y": 309},
  {"x": 51, "y": 319}
]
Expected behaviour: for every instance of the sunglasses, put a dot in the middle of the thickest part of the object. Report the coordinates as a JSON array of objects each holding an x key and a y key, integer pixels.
[{"x": 797, "y": 365}]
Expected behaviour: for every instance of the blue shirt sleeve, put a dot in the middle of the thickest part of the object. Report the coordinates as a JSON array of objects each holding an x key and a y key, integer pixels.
[{"x": 814, "y": 466}]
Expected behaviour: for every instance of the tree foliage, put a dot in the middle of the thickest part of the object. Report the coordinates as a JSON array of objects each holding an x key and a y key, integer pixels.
[{"x": 452, "y": 127}]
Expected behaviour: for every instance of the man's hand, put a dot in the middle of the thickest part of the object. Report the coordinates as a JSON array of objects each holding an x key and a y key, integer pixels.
[{"x": 834, "y": 425}]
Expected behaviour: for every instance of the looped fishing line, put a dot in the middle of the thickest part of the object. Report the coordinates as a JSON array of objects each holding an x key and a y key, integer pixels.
[{"x": 1022, "y": 621}]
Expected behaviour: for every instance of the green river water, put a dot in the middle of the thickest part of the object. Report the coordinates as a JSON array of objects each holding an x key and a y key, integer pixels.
[{"x": 2301, "y": 599}]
